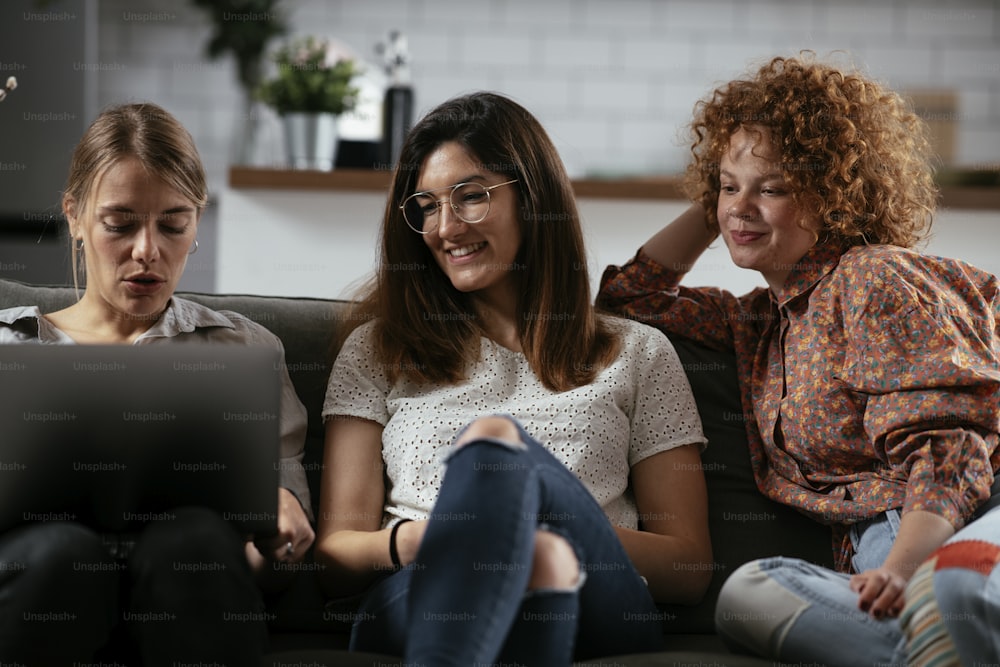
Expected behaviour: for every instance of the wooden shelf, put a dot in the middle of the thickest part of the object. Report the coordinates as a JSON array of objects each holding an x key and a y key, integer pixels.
[
  {"x": 646, "y": 188},
  {"x": 363, "y": 180}
]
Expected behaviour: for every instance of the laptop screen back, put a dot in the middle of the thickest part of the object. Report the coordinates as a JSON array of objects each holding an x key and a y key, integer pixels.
[{"x": 116, "y": 436}]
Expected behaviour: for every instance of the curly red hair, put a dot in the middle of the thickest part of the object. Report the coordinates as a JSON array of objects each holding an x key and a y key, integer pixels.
[{"x": 852, "y": 151}]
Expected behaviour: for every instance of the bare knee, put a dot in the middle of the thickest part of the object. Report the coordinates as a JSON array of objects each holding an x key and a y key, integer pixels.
[
  {"x": 555, "y": 564},
  {"x": 500, "y": 428}
]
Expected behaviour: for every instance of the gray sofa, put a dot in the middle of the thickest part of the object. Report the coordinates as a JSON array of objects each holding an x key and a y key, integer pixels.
[{"x": 744, "y": 525}]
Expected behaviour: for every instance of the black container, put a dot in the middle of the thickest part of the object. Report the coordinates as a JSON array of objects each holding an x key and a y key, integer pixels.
[
  {"x": 397, "y": 118},
  {"x": 355, "y": 154}
]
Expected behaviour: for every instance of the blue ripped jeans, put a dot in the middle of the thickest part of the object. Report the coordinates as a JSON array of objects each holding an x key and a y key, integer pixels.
[
  {"x": 796, "y": 612},
  {"x": 464, "y": 600}
]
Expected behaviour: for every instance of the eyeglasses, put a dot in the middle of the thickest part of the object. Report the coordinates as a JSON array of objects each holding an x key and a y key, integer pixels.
[{"x": 469, "y": 201}]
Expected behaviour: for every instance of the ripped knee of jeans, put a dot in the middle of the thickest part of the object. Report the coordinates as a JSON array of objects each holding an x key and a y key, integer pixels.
[{"x": 556, "y": 567}]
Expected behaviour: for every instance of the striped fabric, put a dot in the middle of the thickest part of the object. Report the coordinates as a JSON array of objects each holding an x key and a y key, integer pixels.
[{"x": 927, "y": 639}]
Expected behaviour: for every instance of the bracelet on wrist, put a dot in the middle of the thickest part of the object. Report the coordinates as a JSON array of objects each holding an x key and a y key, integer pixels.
[{"x": 393, "y": 551}]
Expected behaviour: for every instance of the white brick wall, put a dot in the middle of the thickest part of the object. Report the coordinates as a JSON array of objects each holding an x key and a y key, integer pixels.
[{"x": 613, "y": 80}]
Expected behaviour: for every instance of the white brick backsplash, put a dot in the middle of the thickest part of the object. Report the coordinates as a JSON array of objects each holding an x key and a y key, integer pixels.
[
  {"x": 304, "y": 14},
  {"x": 901, "y": 66},
  {"x": 978, "y": 107},
  {"x": 588, "y": 131},
  {"x": 662, "y": 56},
  {"x": 398, "y": 13},
  {"x": 779, "y": 17},
  {"x": 679, "y": 98},
  {"x": 718, "y": 62},
  {"x": 613, "y": 81},
  {"x": 186, "y": 77},
  {"x": 556, "y": 15},
  {"x": 562, "y": 53},
  {"x": 658, "y": 136},
  {"x": 972, "y": 64},
  {"x": 860, "y": 19},
  {"x": 159, "y": 44},
  {"x": 979, "y": 145},
  {"x": 634, "y": 15},
  {"x": 578, "y": 140},
  {"x": 437, "y": 89},
  {"x": 602, "y": 93},
  {"x": 493, "y": 49},
  {"x": 361, "y": 42},
  {"x": 552, "y": 96},
  {"x": 683, "y": 18},
  {"x": 432, "y": 47},
  {"x": 954, "y": 19},
  {"x": 134, "y": 83}
]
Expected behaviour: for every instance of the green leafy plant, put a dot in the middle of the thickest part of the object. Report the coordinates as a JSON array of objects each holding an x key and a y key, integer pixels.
[
  {"x": 307, "y": 80},
  {"x": 243, "y": 28}
]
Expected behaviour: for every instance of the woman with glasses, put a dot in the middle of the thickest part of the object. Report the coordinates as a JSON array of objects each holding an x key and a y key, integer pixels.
[{"x": 509, "y": 476}]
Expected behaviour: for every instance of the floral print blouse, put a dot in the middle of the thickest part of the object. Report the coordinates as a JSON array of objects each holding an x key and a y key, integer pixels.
[{"x": 872, "y": 384}]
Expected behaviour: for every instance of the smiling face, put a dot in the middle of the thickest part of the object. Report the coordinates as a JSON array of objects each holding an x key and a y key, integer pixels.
[
  {"x": 760, "y": 222},
  {"x": 136, "y": 231},
  {"x": 477, "y": 258}
]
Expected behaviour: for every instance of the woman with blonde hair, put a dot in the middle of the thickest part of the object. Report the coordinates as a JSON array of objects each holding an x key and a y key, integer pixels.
[{"x": 133, "y": 201}]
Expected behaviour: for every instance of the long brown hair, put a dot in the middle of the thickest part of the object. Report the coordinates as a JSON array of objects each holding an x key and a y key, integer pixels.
[
  {"x": 854, "y": 152},
  {"x": 428, "y": 331}
]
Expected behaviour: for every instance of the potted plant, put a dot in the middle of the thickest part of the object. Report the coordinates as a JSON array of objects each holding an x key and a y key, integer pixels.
[{"x": 311, "y": 88}]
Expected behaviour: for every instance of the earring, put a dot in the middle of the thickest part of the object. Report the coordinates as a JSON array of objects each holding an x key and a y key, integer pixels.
[{"x": 194, "y": 247}]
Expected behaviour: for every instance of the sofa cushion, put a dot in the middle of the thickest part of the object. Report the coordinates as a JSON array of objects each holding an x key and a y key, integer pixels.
[{"x": 744, "y": 525}]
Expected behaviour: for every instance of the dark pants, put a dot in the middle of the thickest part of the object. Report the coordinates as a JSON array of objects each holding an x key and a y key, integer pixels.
[
  {"x": 464, "y": 600},
  {"x": 185, "y": 594}
]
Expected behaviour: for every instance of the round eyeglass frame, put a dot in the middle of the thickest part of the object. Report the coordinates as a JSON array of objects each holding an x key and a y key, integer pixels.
[{"x": 440, "y": 202}]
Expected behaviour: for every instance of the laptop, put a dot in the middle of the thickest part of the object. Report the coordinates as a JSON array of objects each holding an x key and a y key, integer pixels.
[{"x": 116, "y": 436}]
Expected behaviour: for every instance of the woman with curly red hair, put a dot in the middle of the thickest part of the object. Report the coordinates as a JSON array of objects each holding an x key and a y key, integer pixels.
[{"x": 869, "y": 372}]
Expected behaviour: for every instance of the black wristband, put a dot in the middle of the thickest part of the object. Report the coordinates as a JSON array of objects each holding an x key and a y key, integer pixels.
[{"x": 393, "y": 552}]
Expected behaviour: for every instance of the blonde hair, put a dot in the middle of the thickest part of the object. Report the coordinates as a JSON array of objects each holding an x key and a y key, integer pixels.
[
  {"x": 853, "y": 152},
  {"x": 143, "y": 131}
]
